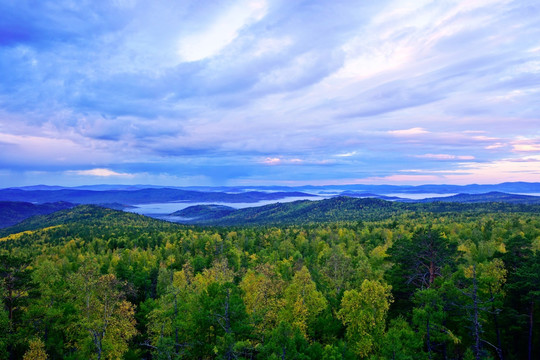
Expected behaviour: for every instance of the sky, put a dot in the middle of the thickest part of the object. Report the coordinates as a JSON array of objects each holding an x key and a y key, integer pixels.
[{"x": 263, "y": 92}]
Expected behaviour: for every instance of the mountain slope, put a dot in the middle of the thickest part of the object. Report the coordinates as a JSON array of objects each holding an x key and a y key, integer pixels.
[
  {"x": 91, "y": 218},
  {"x": 202, "y": 212},
  {"x": 13, "y": 212},
  {"x": 351, "y": 209}
]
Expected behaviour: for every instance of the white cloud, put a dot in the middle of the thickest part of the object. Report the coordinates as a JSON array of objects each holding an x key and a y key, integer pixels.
[
  {"x": 526, "y": 146},
  {"x": 272, "y": 161},
  {"x": 445, "y": 157},
  {"x": 349, "y": 154},
  {"x": 495, "y": 146},
  {"x": 409, "y": 132},
  {"x": 100, "y": 172},
  {"x": 221, "y": 32},
  {"x": 281, "y": 161}
]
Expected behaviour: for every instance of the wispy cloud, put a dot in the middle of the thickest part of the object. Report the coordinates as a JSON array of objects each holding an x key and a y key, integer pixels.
[
  {"x": 222, "y": 31},
  {"x": 495, "y": 146},
  {"x": 100, "y": 172},
  {"x": 445, "y": 157},
  {"x": 409, "y": 132},
  {"x": 532, "y": 145},
  {"x": 348, "y": 154}
]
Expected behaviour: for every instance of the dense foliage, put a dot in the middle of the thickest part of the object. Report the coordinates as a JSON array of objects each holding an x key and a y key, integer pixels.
[{"x": 96, "y": 283}]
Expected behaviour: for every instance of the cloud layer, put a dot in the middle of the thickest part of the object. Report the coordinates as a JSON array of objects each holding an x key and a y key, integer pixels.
[{"x": 269, "y": 91}]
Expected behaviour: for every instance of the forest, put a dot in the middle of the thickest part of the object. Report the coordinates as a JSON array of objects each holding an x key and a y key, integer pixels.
[{"x": 95, "y": 283}]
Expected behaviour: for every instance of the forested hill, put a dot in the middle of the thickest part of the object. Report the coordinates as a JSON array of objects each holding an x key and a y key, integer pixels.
[
  {"x": 90, "y": 217},
  {"x": 340, "y": 209},
  {"x": 12, "y": 212}
]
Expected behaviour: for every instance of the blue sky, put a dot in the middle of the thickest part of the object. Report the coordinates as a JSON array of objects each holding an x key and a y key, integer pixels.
[{"x": 258, "y": 92}]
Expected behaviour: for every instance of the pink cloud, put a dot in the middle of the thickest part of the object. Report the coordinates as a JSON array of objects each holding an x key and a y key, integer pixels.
[
  {"x": 271, "y": 161},
  {"x": 527, "y": 146},
  {"x": 495, "y": 146},
  {"x": 281, "y": 161},
  {"x": 409, "y": 132},
  {"x": 100, "y": 172}
]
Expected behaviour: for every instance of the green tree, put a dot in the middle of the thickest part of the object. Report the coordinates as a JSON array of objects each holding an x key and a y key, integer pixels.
[
  {"x": 528, "y": 281},
  {"x": 219, "y": 323},
  {"x": 303, "y": 302},
  {"x": 15, "y": 288},
  {"x": 105, "y": 321},
  {"x": 36, "y": 350},
  {"x": 285, "y": 342},
  {"x": 262, "y": 292},
  {"x": 168, "y": 321},
  {"x": 429, "y": 316},
  {"x": 420, "y": 261},
  {"x": 363, "y": 313},
  {"x": 4, "y": 324},
  {"x": 401, "y": 342}
]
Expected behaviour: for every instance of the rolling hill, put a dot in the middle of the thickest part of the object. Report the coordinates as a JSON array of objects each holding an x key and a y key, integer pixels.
[
  {"x": 83, "y": 218},
  {"x": 13, "y": 212},
  {"x": 342, "y": 208}
]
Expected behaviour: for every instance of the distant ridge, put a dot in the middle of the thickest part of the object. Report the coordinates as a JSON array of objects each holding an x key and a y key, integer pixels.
[
  {"x": 139, "y": 196},
  {"x": 519, "y": 187},
  {"x": 202, "y": 212},
  {"x": 344, "y": 208},
  {"x": 493, "y": 196},
  {"x": 13, "y": 212},
  {"x": 369, "y": 195}
]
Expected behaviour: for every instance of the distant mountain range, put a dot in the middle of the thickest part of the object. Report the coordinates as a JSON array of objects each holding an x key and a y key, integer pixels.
[
  {"x": 369, "y": 195},
  {"x": 337, "y": 209},
  {"x": 493, "y": 196},
  {"x": 18, "y": 204},
  {"x": 139, "y": 196},
  {"x": 507, "y": 187}
]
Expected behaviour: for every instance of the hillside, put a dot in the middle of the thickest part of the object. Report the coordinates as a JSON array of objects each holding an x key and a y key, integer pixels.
[
  {"x": 201, "y": 212},
  {"x": 90, "y": 217},
  {"x": 13, "y": 212}
]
